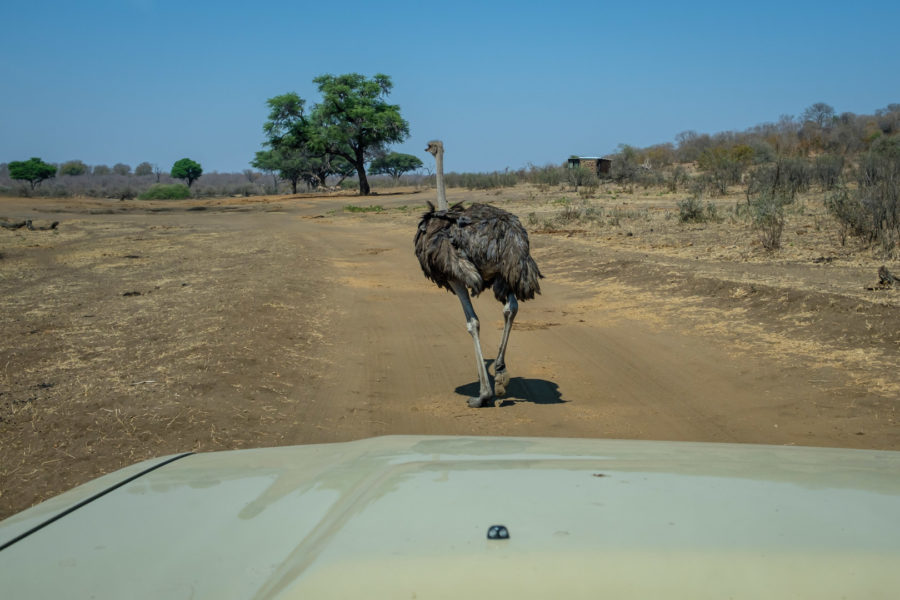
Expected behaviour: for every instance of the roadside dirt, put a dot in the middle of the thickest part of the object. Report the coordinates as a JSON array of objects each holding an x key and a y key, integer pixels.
[{"x": 139, "y": 329}]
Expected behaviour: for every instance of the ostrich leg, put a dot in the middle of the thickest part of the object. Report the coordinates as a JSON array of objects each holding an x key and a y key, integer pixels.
[
  {"x": 486, "y": 393},
  {"x": 501, "y": 377}
]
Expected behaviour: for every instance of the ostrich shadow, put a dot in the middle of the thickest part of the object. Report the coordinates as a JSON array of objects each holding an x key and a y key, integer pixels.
[{"x": 519, "y": 389}]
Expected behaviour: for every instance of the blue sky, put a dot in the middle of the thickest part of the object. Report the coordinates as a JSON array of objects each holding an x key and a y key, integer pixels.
[{"x": 503, "y": 84}]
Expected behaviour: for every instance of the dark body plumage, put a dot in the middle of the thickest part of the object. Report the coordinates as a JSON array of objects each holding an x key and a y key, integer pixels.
[{"x": 480, "y": 246}]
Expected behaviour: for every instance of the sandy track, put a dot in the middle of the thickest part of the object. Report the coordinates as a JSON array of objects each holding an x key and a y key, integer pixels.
[{"x": 403, "y": 363}]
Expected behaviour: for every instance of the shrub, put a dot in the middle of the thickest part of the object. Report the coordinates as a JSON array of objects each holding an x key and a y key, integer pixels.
[
  {"x": 678, "y": 176},
  {"x": 163, "y": 191},
  {"x": 767, "y": 213},
  {"x": 725, "y": 165},
  {"x": 550, "y": 175},
  {"x": 785, "y": 177},
  {"x": 848, "y": 212},
  {"x": 690, "y": 210},
  {"x": 827, "y": 170},
  {"x": 871, "y": 210},
  {"x": 577, "y": 212},
  {"x": 582, "y": 176}
]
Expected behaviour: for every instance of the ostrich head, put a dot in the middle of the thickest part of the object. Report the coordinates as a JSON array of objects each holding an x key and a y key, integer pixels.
[{"x": 435, "y": 147}]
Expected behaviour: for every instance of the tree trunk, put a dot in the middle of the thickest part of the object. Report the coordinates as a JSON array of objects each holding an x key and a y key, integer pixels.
[
  {"x": 360, "y": 164},
  {"x": 364, "y": 189}
]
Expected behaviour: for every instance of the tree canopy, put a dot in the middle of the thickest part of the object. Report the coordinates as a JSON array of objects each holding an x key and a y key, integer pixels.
[
  {"x": 33, "y": 170},
  {"x": 74, "y": 168},
  {"x": 395, "y": 164},
  {"x": 354, "y": 119},
  {"x": 287, "y": 136},
  {"x": 187, "y": 169},
  {"x": 338, "y": 136},
  {"x": 291, "y": 166}
]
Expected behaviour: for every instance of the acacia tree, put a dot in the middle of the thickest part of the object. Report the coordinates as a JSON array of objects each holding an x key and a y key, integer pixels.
[
  {"x": 266, "y": 162},
  {"x": 187, "y": 169},
  {"x": 287, "y": 133},
  {"x": 290, "y": 166},
  {"x": 819, "y": 113},
  {"x": 291, "y": 154},
  {"x": 354, "y": 119},
  {"x": 395, "y": 164},
  {"x": 33, "y": 170},
  {"x": 74, "y": 168}
]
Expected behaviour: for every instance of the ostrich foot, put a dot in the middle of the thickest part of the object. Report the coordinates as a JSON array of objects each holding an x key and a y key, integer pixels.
[
  {"x": 478, "y": 402},
  {"x": 501, "y": 380}
]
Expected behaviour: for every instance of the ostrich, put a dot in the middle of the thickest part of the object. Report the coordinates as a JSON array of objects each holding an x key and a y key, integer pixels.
[{"x": 469, "y": 250}]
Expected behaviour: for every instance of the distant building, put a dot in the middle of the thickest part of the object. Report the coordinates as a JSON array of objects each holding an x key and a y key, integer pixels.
[{"x": 598, "y": 164}]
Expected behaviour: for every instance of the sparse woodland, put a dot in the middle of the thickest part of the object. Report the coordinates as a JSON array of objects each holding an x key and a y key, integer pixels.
[{"x": 846, "y": 163}]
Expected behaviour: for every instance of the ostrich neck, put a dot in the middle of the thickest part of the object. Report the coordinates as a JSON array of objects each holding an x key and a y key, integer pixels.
[{"x": 439, "y": 180}]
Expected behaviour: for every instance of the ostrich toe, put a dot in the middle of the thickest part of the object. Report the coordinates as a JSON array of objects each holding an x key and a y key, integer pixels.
[{"x": 501, "y": 380}]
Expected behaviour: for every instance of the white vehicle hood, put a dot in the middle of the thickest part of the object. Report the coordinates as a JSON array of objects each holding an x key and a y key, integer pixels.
[{"x": 407, "y": 517}]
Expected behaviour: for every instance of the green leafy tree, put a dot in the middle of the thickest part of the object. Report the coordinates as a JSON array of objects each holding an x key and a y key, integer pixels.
[
  {"x": 266, "y": 162},
  {"x": 33, "y": 170},
  {"x": 101, "y": 170},
  {"x": 291, "y": 153},
  {"x": 187, "y": 169},
  {"x": 143, "y": 169},
  {"x": 354, "y": 119},
  {"x": 290, "y": 166},
  {"x": 287, "y": 132},
  {"x": 73, "y": 168},
  {"x": 121, "y": 169},
  {"x": 395, "y": 164}
]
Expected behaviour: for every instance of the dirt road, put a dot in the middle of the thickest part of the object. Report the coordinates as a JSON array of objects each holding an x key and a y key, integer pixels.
[
  {"x": 403, "y": 362},
  {"x": 139, "y": 330}
]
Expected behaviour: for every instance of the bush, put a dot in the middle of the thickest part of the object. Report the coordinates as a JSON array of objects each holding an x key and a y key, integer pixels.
[
  {"x": 582, "y": 176},
  {"x": 848, "y": 212},
  {"x": 725, "y": 165},
  {"x": 678, "y": 177},
  {"x": 786, "y": 177},
  {"x": 767, "y": 212},
  {"x": 871, "y": 211},
  {"x": 690, "y": 210},
  {"x": 582, "y": 212},
  {"x": 827, "y": 170},
  {"x": 549, "y": 175},
  {"x": 163, "y": 191}
]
